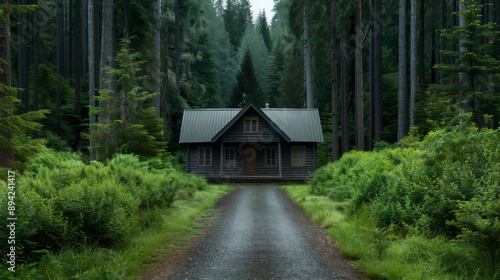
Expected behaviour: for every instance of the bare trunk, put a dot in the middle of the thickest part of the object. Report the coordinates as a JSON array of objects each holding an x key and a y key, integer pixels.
[
  {"x": 421, "y": 47},
  {"x": 413, "y": 60},
  {"x": 344, "y": 102},
  {"x": 107, "y": 80},
  {"x": 308, "y": 61},
  {"x": 156, "y": 54},
  {"x": 6, "y": 154},
  {"x": 360, "y": 139},
  {"x": 403, "y": 75},
  {"x": 377, "y": 76},
  {"x": 442, "y": 46},
  {"x": 177, "y": 49},
  {"x": 58, "y": 67},
  {"x": 333, "y": 69},
  {"x": 91, "y": 53},
  {"x": 463, "y": 77},
  {"x": 165, "y": 92}
]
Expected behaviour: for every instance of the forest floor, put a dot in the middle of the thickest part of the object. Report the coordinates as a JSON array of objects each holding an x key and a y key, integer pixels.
[{"x": 256, "y": 232}]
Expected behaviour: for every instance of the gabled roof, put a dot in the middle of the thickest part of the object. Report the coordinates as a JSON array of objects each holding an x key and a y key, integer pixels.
[{"x": 207, "y": 125}]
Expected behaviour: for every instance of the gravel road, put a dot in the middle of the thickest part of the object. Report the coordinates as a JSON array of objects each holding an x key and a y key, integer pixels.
[{"x": 262, "y": 234}]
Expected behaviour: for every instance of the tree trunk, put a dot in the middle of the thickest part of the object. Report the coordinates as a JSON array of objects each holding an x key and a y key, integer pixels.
[
  {"x": 165, "y": 92},
  {"x": 413, "y": 60},
  {"x": 463, "y": 77},
  {"x": 156, "y": 54},
  {"x": 377, "y": 75},
  {"x": 308, "y": 61},
  {"x": 78, "y": 71},
  {"x": 58, "y": 68},
  {"x": 91, "y": 52},
  {"x": 421, "y": 47},
  {"x": 333, "y": 69},
  {"x": 344, "y": 102},
  {"x": 177, "y": 46},
  {"x": 6, "y": 154},
  {"x": 107, "y": 80},
  {"x": 442, "y": 46},
  {"x": 403, "y": 75},
  {"x": 36, "y": 33},
  {"x": 371, "y": 118},
  {"x": 360, "y": 139}
]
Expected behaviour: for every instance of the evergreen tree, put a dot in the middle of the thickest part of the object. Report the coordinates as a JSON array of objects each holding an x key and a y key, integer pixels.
[
  {"x": 276, "y": 68},
  {"x": 264, "y": 30},
  {"x": 475, "y": 66},
  {"x": 247, "y": 89},
  {"x": 237, "y": 17},
  {"x": 135, "y": 129}
]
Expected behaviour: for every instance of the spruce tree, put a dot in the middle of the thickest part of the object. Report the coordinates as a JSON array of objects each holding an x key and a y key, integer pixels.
[
  {"x": 247, "y": 89},
  {"x": 264, "y": 30}
]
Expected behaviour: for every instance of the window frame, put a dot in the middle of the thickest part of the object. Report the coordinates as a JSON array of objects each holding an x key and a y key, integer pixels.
[
  {"x": 266, "y": 149},
  {"x": 296, "y": 149},
  {"x": 234, "y": 159},
  {"x": 204, "y": 149},
  {"x": 250, "y": 119}
]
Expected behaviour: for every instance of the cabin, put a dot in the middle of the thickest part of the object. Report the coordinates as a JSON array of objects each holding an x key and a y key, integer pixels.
[{"x": 251, "y": 143}]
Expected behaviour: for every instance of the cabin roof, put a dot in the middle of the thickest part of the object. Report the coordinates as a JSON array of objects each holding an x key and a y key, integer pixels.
[{"x": 207, "y": 125}]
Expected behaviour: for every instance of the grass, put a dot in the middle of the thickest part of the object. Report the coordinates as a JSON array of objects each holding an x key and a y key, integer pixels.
[
  {"x": 383, "y": 253},
  {"x": 173, "y": 225}
]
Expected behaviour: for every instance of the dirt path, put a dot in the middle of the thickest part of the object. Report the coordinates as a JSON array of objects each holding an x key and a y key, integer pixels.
[{"x": 259, "y": 234}]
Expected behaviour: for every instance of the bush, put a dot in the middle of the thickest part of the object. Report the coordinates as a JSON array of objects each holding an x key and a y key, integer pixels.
[{"x": 61, "y": 201}]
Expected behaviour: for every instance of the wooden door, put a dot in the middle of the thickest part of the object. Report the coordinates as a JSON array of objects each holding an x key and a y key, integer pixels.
[{"x": 250, "y": 164}]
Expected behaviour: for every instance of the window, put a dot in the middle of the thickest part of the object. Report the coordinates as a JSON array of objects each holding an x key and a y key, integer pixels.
[
  {"x": 271, "y": 157},
  {"x": 204, "y": 156},
  {"x": 298, "y": 156},
  {"x": 229, "y": 156},
  {"x": 251, "y": 125}
]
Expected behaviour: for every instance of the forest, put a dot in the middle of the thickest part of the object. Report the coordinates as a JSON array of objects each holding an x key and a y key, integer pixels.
[{"x": 94, "y": 91}]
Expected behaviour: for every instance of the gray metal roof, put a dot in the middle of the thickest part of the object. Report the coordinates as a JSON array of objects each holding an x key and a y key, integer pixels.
[{"x": 201, "y": 125}]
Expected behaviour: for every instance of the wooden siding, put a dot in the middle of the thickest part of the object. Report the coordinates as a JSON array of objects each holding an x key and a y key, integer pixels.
[
  {"x": 265, "y": 135},
  {"x": 288, "y": 172}
]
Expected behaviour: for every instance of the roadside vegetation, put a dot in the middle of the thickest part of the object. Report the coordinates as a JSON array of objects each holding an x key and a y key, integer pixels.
[
  {"x": 100, "y": 221},
  {"x": 426, "y": 209}
]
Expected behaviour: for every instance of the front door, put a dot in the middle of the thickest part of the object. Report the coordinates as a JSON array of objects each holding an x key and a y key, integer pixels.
[{"x": 250, "y": 164}]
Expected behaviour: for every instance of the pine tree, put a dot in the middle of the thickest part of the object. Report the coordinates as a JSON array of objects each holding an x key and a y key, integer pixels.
[
  {"x": 264, "y": 30},
  {"x": 247, "y": 89},
  {"x": 135, "y": 129}
]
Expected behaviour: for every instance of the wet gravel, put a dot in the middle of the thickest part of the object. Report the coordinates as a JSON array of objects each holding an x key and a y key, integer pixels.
[{"x": 261, "y": 234}]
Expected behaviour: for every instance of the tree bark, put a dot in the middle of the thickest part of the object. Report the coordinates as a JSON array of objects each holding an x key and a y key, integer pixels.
[
  {"x": 58, "y": 68},
  {"x": 107, "y": 80},
  {"x": 360, "y": 139},
  {"x": 377, "y": 76},
  {"x": 91, "y": 52},
  {"x": 442, "y": 46},
  {"x": 463, "y": 77},
  {"x": 78, "y": 70},
  {"x": 177, "y": 46},
  {"x": 156, "y": 54},
  {"x": 6, "y": 154},
  {"x": 333, "y": 69},
  {"x": 308, "y": 61},
  {"x": 413, "y": 60},
  {"x": 421, "y": 47},
  {"x": 403, "y": 75},
  {"x": 344, "y": 102}
]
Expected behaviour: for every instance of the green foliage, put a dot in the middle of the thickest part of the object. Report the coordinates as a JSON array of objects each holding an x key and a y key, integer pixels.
[
  {"x": 60, "y": 201},
  {"x": 247, "y": 89},
  {"x": 15, "y": 130},
  {"x": 237, "y": 17},
  {"x": 135, "y": 129}
]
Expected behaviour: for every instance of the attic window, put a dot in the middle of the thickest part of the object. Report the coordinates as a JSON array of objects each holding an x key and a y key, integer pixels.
[{"x": 251, "y": 125}]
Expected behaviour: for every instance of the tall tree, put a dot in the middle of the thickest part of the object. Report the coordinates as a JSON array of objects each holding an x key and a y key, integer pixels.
[
  {"x": 91, "y": 52},
  {"x": 107, "y": 80},
  {"x": 6, "y": 153},
  {"x": 403, "y": 74},
  {"x": 308, "y": 61},
  {"x": 413, "y": 60},
  {"x": 264, "y": 29},
  {"x": 247, "y": 89},
  {"x": 360, "y": 138},
  {"x": 333, "y": 69},
  {"x": 344, "y": 92},
  {"x": 156, "y": 55},
  {"x": 377, "y": 69},
  {"x": 464, "y": 78}
]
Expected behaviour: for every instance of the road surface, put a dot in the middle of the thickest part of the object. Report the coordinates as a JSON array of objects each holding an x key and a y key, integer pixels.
[{"x": 262, "y": 234}]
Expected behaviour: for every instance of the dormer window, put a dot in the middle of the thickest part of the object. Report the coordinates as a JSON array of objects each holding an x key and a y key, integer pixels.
[{"x": 251, "y": 125}]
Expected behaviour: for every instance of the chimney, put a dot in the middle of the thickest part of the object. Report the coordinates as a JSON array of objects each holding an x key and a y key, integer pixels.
[{"x": 267, "y": 105}]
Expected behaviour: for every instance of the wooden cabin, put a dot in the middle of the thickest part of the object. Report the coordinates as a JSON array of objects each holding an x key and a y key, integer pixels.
[{"x": 250, "y": 143}]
